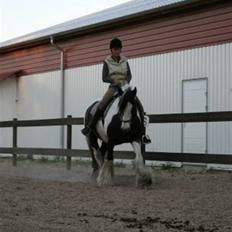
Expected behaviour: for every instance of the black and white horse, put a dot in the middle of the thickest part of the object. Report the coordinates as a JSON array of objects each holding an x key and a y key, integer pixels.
[{"x": 121, "y": 123}]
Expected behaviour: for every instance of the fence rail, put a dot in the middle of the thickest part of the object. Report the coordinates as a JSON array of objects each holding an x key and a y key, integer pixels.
[{"x": 158, "y": 156}]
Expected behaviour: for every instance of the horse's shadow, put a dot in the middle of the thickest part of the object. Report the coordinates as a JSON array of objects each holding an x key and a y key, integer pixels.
[{"x": 125, "y": 181}]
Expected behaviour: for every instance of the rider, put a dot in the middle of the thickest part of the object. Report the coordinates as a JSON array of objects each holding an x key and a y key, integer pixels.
[{"x": 116, "y": 71}]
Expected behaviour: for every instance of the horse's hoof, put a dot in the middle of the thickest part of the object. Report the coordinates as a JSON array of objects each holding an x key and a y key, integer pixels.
[
  {"x": 143, "y": 180},
  {"x": 105, "y": 177}
]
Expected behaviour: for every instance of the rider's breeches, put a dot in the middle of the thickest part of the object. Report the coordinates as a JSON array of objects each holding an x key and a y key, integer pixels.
[{"x": 112, "y": 90}]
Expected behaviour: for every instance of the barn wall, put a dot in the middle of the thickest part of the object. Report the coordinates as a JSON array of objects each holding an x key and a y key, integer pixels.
[
  {"x": 176, "y": 31},
  {"x": 39, "y": 98},
  {"x": 83, "y": 86},
  {"x": 158, "y": 79},
  {"x": 7, "y": 109}
]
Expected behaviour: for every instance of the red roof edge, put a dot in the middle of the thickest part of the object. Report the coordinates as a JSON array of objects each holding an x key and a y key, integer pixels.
[{"x": 6, "y": 75}]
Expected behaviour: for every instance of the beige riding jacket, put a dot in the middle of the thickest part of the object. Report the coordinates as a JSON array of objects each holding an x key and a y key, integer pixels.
[{"x": 114, "y": 72}]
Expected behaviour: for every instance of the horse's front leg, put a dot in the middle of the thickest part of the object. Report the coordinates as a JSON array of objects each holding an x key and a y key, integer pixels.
[
  {"x": 143, "y": 176},
  {"x": 106, "y": 173}
]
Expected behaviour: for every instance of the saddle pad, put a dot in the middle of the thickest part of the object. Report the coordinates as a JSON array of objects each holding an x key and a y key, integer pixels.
[
  {"x": 94, "y": 108},
  {"x": 95, "y": 105}
]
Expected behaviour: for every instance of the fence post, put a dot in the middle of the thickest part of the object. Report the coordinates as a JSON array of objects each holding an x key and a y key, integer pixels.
[
  {"x": 14, "y": 161},
  {"x": 69, "y": 142}
]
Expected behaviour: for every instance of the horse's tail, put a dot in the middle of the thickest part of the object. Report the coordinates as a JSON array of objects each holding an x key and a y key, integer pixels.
[{"x": 89, "y": 139}]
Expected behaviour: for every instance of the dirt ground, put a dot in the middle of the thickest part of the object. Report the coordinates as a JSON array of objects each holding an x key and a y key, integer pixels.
[{"x": 44, "y": 196}]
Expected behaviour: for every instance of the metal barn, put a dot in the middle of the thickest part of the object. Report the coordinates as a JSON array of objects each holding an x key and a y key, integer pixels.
[{"x": 180, "y": 53}]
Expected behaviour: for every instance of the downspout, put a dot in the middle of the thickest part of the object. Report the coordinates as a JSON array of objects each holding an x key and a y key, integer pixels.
[{"x": 62, "y": 86}]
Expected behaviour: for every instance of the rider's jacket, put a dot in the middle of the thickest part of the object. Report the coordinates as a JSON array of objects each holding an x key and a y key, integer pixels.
[{"x": 113, "y": 70}]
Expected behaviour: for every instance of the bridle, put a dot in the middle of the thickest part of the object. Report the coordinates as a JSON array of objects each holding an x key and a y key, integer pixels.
[
  {"x": 125, "y": 121},
  {"x": 121, "y": 119}
]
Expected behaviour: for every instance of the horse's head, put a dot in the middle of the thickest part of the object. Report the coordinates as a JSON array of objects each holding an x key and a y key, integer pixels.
[{"x": 126, "y": 106}]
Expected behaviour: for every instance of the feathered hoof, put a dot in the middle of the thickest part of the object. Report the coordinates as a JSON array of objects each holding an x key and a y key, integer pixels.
[
  {"x": 105, "y": 177},
  {"x": 143, "y": 180}
]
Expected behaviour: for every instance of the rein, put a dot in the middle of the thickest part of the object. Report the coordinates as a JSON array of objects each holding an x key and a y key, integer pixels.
[{"x": 125, "y": 121}]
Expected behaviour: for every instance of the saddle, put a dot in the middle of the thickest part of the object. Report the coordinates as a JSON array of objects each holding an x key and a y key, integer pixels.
[
  {"x": 120, "y": 92},
  {"x": 109, "y": 103}
]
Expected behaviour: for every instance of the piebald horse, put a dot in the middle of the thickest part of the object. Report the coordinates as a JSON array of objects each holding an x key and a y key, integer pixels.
[{"x": 121, "y": 123}]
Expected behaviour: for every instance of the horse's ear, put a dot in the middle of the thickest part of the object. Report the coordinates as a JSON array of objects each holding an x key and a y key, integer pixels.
[{"x": 134, "y": 91}]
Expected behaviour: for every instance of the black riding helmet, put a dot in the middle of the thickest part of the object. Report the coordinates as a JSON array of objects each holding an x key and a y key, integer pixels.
[{"x": 115, "y": 43}]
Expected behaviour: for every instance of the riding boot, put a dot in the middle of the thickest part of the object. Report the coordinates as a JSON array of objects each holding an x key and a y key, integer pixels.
[
  {"x": 146, "y": 139},
  {"x": 92, "y": 123}
]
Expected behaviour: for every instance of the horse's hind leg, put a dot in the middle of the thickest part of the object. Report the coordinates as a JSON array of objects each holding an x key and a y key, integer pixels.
[
  {"x": 106, "y": 173},
  {"x": 143, "y": 177}
]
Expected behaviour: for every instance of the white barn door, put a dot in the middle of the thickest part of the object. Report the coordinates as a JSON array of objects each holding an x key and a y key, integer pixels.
[{"x": 194, "y": 94}]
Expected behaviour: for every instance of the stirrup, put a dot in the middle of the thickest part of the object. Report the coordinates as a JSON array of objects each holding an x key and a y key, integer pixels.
[{"x": 146, "y": 139}]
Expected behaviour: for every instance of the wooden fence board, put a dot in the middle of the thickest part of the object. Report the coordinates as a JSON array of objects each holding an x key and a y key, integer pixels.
[{"x": 155, "y": 156}]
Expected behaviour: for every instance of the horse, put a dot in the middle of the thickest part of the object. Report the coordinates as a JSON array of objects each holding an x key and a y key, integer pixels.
[{"x": 121, "y": 123}]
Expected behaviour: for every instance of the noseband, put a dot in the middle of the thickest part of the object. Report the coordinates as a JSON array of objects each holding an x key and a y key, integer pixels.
[{"x": 125, "y": 121}]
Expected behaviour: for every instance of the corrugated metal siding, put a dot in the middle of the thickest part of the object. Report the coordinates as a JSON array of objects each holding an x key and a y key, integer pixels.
[
  {"x": 159, "y": 79},
  {"x": 7, "y": 98},
  {"x": 83, "y": 87},
  {"x": 39, "y": 98},
  {"x": 7, "y": 109},
  {"x": 163, "y": 90},
  {"x": 194, "y": 28}
]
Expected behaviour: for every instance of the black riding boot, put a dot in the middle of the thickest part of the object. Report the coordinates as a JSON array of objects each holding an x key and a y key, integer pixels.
[
  {"x": 92, "y": 123},
  {"x": 146, "y": 139}
]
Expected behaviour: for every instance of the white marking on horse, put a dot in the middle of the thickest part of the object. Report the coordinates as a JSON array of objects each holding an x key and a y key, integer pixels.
[
  {"x": 142, "y": 175},
  {"x": 139, "y": 157},
  {"x": 111, "y": 112},
  {"x": 126, "y": 117}
]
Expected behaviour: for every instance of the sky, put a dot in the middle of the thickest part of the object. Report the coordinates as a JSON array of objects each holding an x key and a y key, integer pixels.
[{"x": 20, "y": 17}]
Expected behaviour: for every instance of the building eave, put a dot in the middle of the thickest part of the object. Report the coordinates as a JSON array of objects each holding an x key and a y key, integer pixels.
[{"x": 16, "y": 44}]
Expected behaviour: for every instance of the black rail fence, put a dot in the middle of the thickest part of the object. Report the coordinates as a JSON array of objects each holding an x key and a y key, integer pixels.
[{"x": 70, "y": 121}]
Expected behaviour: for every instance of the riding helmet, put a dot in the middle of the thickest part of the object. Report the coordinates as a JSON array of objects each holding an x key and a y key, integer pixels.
[{"x": 115, "y": 43}]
